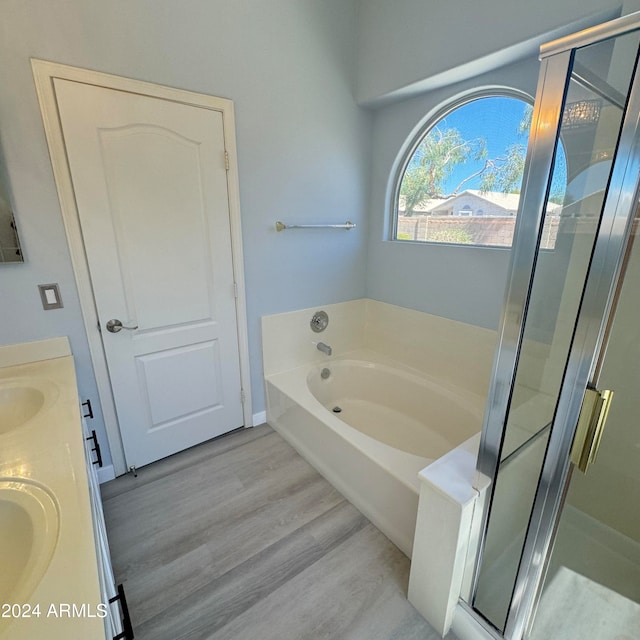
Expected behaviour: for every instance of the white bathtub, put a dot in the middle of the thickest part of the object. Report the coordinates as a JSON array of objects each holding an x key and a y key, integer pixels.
[{"x": 392, "y": 423}]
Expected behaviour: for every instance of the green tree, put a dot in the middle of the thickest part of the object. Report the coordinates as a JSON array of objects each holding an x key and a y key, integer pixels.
[
  {"x": 525, "y": 124},
  {"x": 504, "y": 173},
  {"x": 433, "y": 162}
]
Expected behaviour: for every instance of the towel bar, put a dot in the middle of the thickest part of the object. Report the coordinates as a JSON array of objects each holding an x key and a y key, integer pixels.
[{"x": 281, "y": 226}]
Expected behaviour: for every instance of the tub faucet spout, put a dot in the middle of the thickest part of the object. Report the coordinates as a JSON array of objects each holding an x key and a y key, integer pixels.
[{"x": 325, "y": 348}]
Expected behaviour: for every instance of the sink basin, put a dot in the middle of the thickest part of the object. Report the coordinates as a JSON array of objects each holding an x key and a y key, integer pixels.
[
  {"x": 20, "y": 400},
  {"x": 29, "y": 526}
]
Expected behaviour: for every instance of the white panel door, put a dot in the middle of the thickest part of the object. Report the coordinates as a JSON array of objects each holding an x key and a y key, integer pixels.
[{"x": 150, "y": 183}]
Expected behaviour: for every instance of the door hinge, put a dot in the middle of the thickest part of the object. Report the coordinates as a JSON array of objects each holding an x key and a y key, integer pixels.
[
  {"x": 226, "y": 160},
  {"x": 235, "y": 290},
  {"x": 242, "y": 395}
]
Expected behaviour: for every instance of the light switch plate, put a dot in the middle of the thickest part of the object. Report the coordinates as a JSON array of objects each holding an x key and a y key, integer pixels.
[{"x": 50, "y": 296}]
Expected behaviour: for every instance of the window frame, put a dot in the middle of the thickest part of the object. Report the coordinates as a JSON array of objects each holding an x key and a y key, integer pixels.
[{"x": 413, "y": 141}]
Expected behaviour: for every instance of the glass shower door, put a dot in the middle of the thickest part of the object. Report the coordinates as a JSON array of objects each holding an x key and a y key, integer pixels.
[
  {"x": 588, "y": 101},
  {"x": 592, "y": 586}
]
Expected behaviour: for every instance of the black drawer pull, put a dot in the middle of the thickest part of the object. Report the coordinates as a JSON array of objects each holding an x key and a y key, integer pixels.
[
  {"x": 127, "y": 634},
  {"x": 96, "y": 448},
  {"x": 89, "y": 413}
]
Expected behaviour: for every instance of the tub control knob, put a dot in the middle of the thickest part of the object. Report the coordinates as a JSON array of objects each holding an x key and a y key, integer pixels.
[{"x": 319, "y": 321}]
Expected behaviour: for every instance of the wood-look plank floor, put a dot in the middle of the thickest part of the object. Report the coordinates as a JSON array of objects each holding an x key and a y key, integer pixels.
[{"x": 241, "y": 539}]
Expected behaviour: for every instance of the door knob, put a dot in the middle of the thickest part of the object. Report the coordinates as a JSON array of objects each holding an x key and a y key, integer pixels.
[{"x": 116, "y": 325}]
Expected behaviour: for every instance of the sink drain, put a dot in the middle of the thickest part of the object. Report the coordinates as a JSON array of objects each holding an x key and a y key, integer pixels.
[{"x": 336, "y": 409}]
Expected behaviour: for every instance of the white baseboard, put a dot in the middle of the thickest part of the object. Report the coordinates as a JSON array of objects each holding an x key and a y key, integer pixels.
[
  {"x": 106, "y": 473},
  {"x": 259, "y": 418}
]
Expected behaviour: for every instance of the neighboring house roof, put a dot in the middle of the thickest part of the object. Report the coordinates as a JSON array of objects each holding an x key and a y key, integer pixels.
[
  {"x": 423, "y": 207},
  {"x": 506, "y": 201},
  {"x": 554, "y": 209}
]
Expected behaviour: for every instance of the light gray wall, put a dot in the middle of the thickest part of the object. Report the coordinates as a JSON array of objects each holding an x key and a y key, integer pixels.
[
  {"x": 413, "y": 45},
  {"x": 302, "y": 142},
  {"x": 458, "y": 282}
]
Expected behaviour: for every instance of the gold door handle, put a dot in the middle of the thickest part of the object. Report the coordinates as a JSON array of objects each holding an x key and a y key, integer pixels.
[{"x": 593, "y": 417}]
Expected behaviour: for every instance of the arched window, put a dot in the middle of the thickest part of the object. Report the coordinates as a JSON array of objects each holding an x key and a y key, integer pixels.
[{"x": 461, "y": 178}]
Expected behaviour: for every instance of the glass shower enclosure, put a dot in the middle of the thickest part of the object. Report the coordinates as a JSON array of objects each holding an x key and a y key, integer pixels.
[{"x": 566, "y": 330}]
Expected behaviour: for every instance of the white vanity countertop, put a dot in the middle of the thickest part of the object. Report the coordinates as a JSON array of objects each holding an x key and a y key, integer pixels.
[{"x": 48, "y": 450}]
